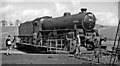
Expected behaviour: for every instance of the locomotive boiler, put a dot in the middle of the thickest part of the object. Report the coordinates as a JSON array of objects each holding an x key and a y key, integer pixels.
[
  {"x": 83, "y": 20},
  {"x": 62, "y": 31}
]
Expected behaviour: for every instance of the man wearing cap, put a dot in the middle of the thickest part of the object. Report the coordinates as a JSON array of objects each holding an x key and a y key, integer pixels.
[{"x": 8, "y": 45}]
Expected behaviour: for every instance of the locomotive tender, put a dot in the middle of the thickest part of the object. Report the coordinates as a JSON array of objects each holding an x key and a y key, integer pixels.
[{"x": 51, "y": 32}]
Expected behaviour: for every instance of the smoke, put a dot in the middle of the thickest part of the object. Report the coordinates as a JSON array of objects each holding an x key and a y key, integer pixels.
[
  {"x": 75, "y": 5},
  {"x": 11, "y": 13},
  {"x": 34, "y": 13},
  {"x": 60, "y": 8}
]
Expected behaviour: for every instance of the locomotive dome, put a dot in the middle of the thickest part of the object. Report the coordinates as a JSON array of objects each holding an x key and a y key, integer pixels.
[{"x": 67, "y": 14}]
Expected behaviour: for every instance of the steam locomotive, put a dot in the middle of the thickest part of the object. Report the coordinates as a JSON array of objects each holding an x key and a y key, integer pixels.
[{"x": 61, "y": 32}]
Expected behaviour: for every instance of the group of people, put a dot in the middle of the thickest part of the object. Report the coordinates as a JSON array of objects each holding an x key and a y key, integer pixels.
[{"x": 10, "y": 44}]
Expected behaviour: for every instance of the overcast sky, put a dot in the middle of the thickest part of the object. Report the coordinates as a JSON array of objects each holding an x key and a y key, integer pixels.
[{"x": 25, "y": 10}]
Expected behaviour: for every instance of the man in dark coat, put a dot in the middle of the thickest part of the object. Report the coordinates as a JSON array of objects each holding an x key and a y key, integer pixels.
[{"x": 8, "y": 45}]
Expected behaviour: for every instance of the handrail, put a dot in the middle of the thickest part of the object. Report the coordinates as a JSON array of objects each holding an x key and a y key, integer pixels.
[{"x": 49, "y": 45}]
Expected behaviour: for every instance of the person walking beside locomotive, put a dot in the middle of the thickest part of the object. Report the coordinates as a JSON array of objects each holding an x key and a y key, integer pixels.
[
  {"x": 34, "y": 38},
  {"x": 8, "y": 45},
  {"x": 39, "y": 39},
  {"x": 78, "y": 45}
]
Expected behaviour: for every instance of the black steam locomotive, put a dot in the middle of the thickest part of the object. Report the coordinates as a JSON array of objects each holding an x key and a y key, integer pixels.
[{"x": 60, "y": 33}]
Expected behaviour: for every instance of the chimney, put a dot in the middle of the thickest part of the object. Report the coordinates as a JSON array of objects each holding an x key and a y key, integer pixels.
[{"x": 83, "y": 10}]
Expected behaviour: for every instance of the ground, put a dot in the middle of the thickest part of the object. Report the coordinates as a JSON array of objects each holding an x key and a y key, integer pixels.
[
  {"x": 40, "y": 59},
  {"x": 28, "y": 58}
]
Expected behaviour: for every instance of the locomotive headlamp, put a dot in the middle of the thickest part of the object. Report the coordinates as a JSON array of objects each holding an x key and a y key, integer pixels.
[{"x": 90, "y": 19}]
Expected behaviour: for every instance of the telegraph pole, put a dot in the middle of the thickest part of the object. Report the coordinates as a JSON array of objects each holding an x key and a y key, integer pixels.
[
  {"x": 117, "y": 50},
  {"x": 118, "y": 46}
]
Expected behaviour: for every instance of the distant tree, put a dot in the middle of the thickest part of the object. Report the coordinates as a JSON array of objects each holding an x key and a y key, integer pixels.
[
  {"x": 17, "y": 22},
  {"x": 11, "y": 24},
  {"x": 4, "y": 22}
]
